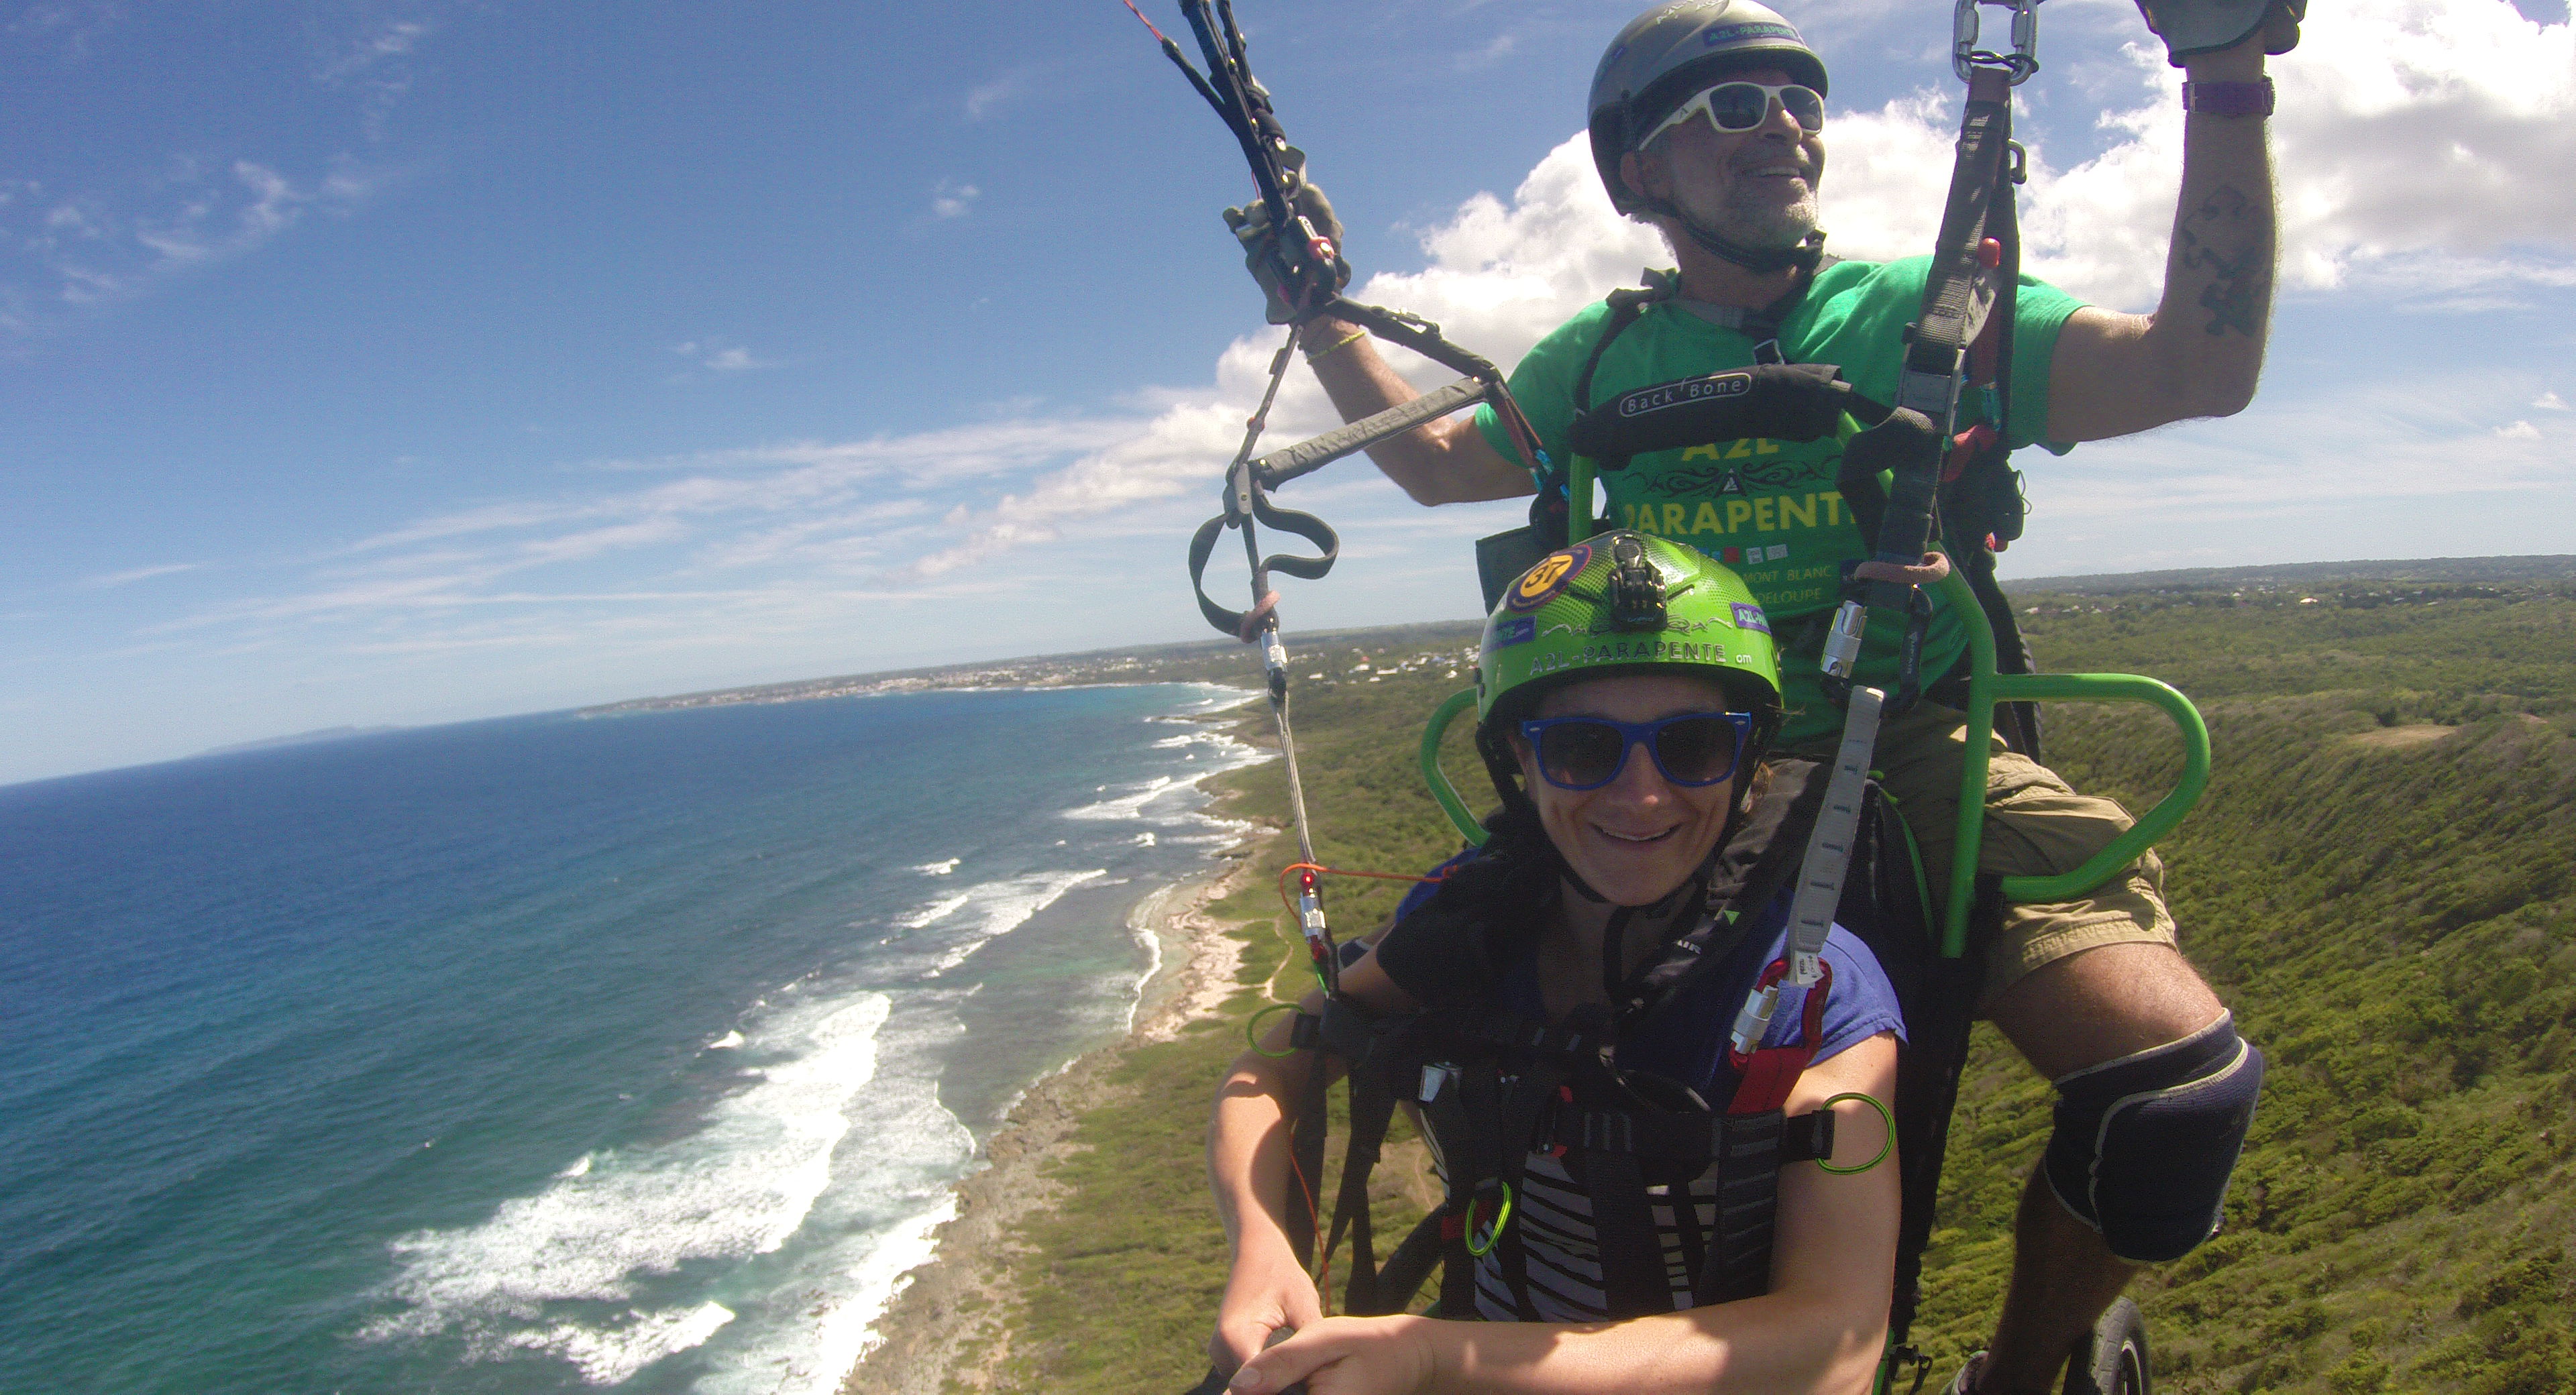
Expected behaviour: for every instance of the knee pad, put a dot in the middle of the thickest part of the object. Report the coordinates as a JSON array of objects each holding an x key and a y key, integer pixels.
[{"x": 2143, "y": 1145}]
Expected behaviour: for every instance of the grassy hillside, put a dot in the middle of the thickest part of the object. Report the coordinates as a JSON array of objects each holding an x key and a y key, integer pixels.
[{"x": 2378, "y": 881}]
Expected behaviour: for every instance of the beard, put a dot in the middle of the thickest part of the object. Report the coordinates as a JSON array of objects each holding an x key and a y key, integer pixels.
[{"x": 1749, "y": 219}]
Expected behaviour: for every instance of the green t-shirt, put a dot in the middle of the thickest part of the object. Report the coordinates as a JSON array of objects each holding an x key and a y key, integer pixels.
[{"x": 1769, "y": 509}]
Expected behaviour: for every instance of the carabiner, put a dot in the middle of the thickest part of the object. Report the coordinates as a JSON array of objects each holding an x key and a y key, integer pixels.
[{"x": 1966, "y": 57}]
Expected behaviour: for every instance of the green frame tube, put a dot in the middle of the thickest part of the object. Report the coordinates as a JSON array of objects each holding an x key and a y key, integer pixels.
[
  {"x": 1460, "y": 816},
  {"x": 1986, "y": 688},
  {"x": 1578, "y": 498}
]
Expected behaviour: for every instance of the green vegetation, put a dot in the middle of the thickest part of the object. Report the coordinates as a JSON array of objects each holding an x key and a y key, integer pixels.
[{"x": 2379, "y": 881}]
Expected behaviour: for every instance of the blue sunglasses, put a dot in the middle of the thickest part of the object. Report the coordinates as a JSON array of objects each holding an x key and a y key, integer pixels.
[{"x": 1692, "y": 749}]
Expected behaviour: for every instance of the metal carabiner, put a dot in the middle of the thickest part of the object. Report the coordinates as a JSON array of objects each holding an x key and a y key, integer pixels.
[{"x": 1966, "y": 57}]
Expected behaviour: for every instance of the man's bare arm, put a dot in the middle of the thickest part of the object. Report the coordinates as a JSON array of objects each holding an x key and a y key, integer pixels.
[
  {"x": 1446, "y": 462},
  {"x": 2201, "y": 351}
]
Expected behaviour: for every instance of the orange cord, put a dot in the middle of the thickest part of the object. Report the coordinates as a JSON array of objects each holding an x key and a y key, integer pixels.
[{"x": 1314, "y": 1210}]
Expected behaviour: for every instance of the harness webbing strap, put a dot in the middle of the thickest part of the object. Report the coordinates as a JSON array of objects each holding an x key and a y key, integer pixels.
[
  {"x": 1748, "y": 1197},
  {"x": 1626, "y": 305},
  {"x": 1623, "y": 1226},
  {"x": 1306, "y": 1164},
  {"x": 1682, "y": 1138},
  {"x": 1829, "y": 845},
  {"x": 1372, "y": 1107},
  {"x": 1304, "y": 525}
]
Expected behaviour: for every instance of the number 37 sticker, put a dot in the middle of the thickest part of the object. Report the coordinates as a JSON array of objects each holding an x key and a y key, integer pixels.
[{"x": 1541, "y": 583}]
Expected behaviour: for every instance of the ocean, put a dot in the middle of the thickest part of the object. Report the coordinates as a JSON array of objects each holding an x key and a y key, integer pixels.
[{"x": 551, "y": 1053}]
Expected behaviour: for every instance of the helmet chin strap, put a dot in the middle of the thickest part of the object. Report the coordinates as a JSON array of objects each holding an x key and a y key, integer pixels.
[{"x": 1761, "y": 261}]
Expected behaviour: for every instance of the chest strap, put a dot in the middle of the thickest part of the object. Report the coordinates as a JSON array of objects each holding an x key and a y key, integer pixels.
[{"x": 1732, "y": 1141}]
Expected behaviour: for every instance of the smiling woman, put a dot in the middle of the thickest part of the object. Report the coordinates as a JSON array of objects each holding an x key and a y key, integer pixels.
[{"x": 1626, "y": 694}]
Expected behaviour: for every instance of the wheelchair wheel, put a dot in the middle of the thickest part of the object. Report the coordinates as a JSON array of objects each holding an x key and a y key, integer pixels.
[{"x": 2115, "y": 1362}]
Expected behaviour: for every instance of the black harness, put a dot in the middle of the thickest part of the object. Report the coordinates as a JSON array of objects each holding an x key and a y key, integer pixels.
[{"x": 1489, "y": 1088}]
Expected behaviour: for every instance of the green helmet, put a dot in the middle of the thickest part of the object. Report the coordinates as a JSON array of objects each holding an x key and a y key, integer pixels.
[
  {"x": 1667, "y": 56},
  {"x": 1626, "y": 603}
]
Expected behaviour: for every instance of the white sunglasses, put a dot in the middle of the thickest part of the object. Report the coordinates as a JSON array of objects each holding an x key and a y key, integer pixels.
[{"x": 1735, "y": 107}]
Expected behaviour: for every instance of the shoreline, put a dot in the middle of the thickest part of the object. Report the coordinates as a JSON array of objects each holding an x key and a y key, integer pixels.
[{"x": 945, "y": 1325}]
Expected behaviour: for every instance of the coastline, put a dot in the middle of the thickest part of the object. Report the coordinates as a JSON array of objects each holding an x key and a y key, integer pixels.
[{"x": 946, "y": 1326}]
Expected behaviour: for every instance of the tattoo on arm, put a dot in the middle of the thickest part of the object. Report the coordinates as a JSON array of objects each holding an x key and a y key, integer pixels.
[{"x": 2240, "y": 287}]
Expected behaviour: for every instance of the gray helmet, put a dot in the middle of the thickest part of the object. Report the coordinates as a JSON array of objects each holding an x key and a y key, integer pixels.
[{"x": 1670, "y": 53}]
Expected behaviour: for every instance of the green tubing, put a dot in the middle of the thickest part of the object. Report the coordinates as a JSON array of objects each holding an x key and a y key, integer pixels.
[
  {"x": 1986, "y": 688},
  {"x": 1578, "y": 498},
  {"x": 1252, "y": 1031},
  {"x": 1432, "y": 775},
  {"x": 1884, "y": 1148},
  {"x": 1502, "y": 1218}
]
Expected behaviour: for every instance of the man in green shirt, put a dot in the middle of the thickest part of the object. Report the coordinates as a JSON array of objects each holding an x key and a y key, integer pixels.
[{"x": 1707, "y": 121}]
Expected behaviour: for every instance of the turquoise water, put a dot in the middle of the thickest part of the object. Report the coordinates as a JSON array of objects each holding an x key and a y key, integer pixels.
[{"x": 551, "y": 1053}]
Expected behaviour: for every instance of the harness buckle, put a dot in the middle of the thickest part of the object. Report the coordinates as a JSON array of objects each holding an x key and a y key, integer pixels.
[{"x": 1436, "y": 1077}]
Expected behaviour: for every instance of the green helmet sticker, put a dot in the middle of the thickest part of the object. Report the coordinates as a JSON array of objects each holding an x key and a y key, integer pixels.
[{"x": 1624, "y": 601}]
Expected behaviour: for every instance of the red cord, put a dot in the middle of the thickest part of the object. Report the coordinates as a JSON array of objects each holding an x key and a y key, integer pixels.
[
  {"x": 1322, "y": 870},
  {"x": 1140, "y": 19}
]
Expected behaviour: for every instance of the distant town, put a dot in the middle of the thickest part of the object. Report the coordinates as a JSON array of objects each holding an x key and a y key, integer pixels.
[
  {"x": 1333, "y": 657},
  {"x": 1329, "y": 657}
]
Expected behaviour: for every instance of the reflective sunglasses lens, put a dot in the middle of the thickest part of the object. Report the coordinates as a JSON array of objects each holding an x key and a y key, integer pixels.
[
  {"x": 1580, "y": 754},
  {"x": 1738, "y": 106},
  {"x": 1803, "y": 104},
  {"x": 1696, "y": 750}
]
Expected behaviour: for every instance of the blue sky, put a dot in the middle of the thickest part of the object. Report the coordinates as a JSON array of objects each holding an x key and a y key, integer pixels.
[{"x": 409, "y": 362}]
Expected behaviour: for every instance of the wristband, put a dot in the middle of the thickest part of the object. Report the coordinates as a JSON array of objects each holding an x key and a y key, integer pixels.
[
  {"x": 2228, "y": 98},
  {"x": 1338, "y": 345}
]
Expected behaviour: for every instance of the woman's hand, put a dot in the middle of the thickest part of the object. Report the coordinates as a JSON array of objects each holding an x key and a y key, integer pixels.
[
  {"x": 1263, "y": 1296},
  {"x": 1345, "y": 1356}
]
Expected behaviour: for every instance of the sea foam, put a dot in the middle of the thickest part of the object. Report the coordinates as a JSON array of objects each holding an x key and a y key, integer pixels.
[
  {"x": 998, "y": 908},
  {"x": 582, "y": 1271}
]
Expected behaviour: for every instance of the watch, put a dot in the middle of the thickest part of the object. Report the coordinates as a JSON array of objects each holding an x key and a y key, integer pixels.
[{"x": 2228, "y": 98}]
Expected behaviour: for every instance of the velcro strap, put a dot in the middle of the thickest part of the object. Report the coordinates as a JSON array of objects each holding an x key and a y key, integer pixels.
[
  {"x": 1304, "y": 1030},
  {"x": 1346, "y": 1029}
]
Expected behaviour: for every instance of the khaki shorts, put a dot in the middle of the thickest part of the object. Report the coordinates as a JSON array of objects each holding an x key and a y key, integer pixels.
[{"x": 2035, "y": 826}]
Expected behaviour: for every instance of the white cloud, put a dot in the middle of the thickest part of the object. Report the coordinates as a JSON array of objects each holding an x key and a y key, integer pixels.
[
  {"x": 2550, "y": 402},
  {"x": 2408, "y": 147},
  {"x": 718, "y": 355},
  {"x": 2414, "y": 438},
  {"x": 1500, "y": 47},
  {"x": 951, "y": 199},
  {"x": 138, "y": 574},
  {"x": 758, "y": 541},
  {"x": 393, "y": 39},
  {"x": 987, "y": 99},
  {"x": 215, "y": 220}
]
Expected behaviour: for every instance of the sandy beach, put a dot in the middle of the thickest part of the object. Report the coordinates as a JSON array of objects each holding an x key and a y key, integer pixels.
[{"x": 945, "y": 1329}]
